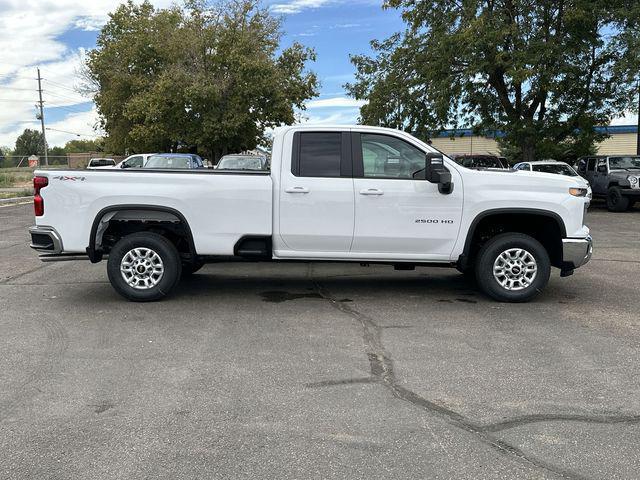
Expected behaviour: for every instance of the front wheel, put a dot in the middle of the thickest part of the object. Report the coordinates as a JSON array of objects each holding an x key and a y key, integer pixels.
[
  {"x": 616, "y": 202},
  {"x": 512, "y": 267},
  {"x": 144, "y": 267}
]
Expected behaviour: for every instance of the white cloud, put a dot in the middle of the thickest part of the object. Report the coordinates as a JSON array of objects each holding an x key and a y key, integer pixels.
[
  {"x": 347, "y": 117},
  {"x": 75, "y": 126},
  {"x": 336, "y": 102},
  {"x": 345, "y": 25},
  {"x": 297, "y": 6},
  {"x": 31, "y": 31},
  {"x": 628, "y": 119}
]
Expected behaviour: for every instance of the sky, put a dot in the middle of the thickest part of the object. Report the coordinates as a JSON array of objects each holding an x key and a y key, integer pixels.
[{"x": 55, "y": 35}]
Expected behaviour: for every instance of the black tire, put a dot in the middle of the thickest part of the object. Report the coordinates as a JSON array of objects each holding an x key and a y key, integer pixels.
[
  {"x": 488, "y": 255},
  {"x": 189, "y": 268},
  {"x": 616, "y": 202},
  {"x": 147, "y": 241}
]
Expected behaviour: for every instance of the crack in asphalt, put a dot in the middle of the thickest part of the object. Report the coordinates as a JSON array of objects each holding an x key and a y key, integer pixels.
[
  {"x": 14, "y": 277},
  {"x": 381, "y": 369},
  {"x": 541, "y": 418}
]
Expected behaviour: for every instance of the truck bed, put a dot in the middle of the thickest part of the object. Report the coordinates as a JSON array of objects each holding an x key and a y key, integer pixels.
[{"x": 73, "y": 200}]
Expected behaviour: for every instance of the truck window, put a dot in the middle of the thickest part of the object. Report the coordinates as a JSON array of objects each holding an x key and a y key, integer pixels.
[
  {"x": 384, "y": 156},
  {"x": 319, "y": 154},
  {"x": 591, "y": 164}
]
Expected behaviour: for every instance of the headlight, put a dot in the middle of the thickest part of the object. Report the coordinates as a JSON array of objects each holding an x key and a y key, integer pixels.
[
  {"x": 632, "y": 180},
  {"x": 578, "y": 192}
]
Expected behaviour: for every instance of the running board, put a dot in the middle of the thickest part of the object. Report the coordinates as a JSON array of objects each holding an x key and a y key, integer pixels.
[{"x": 62, "y": 257}]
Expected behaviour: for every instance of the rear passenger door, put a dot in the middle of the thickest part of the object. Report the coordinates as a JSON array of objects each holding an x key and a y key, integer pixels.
[{"x": 316, "y": 208}]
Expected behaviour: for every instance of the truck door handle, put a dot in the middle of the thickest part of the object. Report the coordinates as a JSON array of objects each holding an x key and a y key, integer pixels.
[
  {"x": 371, "y": 191},
  {"x": 297, "y": 190}
]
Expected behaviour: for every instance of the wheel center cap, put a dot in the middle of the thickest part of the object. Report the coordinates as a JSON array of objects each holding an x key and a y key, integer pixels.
[{"x": 141, "y": 269}]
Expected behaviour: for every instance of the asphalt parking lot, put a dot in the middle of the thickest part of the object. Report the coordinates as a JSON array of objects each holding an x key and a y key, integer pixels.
[{"x": 319, "y": 371}]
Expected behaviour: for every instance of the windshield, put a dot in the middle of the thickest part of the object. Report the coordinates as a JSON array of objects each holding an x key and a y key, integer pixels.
[
  {"x": 167, "y": 161},
  {"x": 556, "y": 168},
  {"x": 624, "y": 162},
  {"x": 241, "y": 163},
  {"x": 102, "y": 162}
]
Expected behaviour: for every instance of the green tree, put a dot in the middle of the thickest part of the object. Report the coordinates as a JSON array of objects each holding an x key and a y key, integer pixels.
[
  {"x": 30, "y": 142},
  {"x": 198, "y": 78},
  {"x": 543, "y": 71},
  {"x": 84, "y": 146}
]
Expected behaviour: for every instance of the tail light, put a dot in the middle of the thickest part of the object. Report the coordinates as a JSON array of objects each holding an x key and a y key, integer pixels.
[{"x": 38, "y": 203}]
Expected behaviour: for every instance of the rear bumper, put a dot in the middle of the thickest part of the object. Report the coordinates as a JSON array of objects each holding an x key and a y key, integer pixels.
[
  {"x": 576, "y": 252},
  {"x": 45, "y": 239}
]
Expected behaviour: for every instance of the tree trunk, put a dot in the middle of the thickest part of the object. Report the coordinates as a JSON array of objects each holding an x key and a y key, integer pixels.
[{"x": 528, "y": 150}]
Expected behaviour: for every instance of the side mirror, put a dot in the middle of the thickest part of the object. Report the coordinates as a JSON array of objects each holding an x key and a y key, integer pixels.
[{"x": 436, "y": 172}]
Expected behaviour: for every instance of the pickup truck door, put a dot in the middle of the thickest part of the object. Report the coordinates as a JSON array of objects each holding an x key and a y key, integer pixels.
[
  {"x": 316, "y": 211},
  {"x": 396, "y": 215}
]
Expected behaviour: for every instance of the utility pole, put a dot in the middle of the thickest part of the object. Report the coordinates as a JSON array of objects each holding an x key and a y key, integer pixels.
[
  {"x": 41, "y": 103},
  {"x": 638, "y": 126}
]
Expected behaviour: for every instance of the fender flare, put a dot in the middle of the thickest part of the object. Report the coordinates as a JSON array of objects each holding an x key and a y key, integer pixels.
[
  {"x": 463, "y": 259},
  {"x": 96, "y": 256}
]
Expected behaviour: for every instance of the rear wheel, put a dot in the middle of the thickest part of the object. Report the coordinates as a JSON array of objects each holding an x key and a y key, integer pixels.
[
  {"x": 616, "y": 202},
  {"x": 144, "y": 267},
  {"x": 512, "y": 267}
]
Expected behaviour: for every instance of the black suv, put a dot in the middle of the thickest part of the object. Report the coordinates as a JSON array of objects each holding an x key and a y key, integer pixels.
[
  {"x": 479, "y": 162},
  {"x": 614, "y": 177}
]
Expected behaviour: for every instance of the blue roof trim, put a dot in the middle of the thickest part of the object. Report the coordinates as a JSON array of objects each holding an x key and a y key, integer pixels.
[
  {"x": 618, "y": 129},
  {"x": 468, "y": 132}
]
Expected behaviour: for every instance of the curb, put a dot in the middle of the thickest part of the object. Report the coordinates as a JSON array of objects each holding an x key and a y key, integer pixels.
[{"x": 14, "y": 200}]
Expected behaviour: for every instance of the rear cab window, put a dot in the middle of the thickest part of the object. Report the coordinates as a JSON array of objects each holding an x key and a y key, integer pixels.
[{"x": 321, "y": 154}]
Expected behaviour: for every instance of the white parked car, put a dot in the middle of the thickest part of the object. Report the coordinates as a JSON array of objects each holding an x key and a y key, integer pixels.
[
  {"x": 134, "y": 161},
  {"x": 98, "y": 163},
  {"x": 333, "y": 194},
  {"x": 557, "y": 168}
]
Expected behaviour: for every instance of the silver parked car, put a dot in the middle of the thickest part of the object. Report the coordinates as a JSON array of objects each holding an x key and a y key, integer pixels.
[
  {"x": 174, "y": 161},
  {"x": 243, "y": 162}
]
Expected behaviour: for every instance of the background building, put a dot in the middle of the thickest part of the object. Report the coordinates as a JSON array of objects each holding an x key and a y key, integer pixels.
[{"x": 622, "y": 140}]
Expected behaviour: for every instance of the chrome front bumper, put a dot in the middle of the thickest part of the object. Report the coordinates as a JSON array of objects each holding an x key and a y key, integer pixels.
[
  {"x": 576, "y": 251},
  {"x": 45, "y": 239}
]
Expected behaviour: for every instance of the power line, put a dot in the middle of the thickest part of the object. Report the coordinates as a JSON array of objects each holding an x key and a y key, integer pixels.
[
  {"x": 78, "y": 100},
  {"x": 74, "y": 133},
  {"x": 70, "y": 108},
  {"x": 2, "y": 87},
  {"x": 14, "y": 75},
  {"x": 61, "y": 85},
  {"x": 15, "y": 100}
]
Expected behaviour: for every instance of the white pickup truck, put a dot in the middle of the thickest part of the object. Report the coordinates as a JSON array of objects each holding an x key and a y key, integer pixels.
[{"x": 334, "y": 194}]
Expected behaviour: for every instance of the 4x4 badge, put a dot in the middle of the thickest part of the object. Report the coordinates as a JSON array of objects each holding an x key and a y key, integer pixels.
[{"x": 65, "y": 177}]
